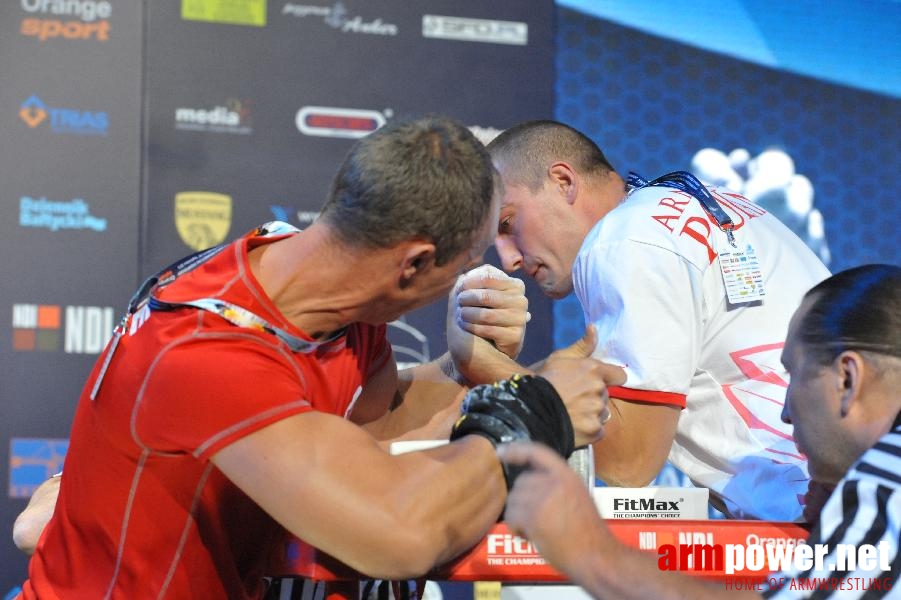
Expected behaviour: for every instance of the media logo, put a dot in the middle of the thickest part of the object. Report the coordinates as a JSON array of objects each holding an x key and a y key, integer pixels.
[
  {"x": 46, "y": 327},
  {"x": 70, "y": 20},
  {"x": 328, "y": 121},
  {"x": 63, "y": 120},
  {"x": 232, "y": 117},
  {"x": 246, "y": 12},
  {"x": 202, "y": 219},
  {"x": 33, "y": 461},
  {"x": 58, "y": 214},
  {"x": 475, "y": 30},
  {"x": 337, "y": 17}
]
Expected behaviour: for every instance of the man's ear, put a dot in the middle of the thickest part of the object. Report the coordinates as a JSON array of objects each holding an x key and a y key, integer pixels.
[
  {"x": 564, "y": 179},
  {"x": 417, "y": 257},
  {"x": 850, "y": 371}
]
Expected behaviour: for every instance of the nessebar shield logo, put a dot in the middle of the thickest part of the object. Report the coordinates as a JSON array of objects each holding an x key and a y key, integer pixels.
[{"x": 202, "y": 219}]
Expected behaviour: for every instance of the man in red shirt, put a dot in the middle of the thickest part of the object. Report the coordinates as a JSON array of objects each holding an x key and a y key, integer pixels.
[{"x": 251, "y": 390}]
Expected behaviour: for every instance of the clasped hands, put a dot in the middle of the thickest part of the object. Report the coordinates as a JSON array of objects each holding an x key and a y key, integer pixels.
[{"x": 486, "y": 324}]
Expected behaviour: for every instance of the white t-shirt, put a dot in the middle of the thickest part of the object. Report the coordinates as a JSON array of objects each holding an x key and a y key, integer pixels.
[{"x": 648, "y": 275}]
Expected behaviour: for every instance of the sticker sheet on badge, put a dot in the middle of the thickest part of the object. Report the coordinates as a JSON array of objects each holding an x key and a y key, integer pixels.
[{"x": 742, "y": 275}]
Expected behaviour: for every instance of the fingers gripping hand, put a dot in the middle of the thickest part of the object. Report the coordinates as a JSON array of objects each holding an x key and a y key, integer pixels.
[
  {"x": 549, "y": 504},
  {"x": 493, "y": 306},
  {"x": 582, "y": 383}
]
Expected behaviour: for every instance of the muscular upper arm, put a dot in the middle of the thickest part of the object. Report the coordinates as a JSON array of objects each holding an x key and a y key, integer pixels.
[
  {"x": 636, "y": 442},
  {"x": 329, "y": 483}
]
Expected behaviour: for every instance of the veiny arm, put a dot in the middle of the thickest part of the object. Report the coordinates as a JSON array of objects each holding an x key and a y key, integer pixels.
[
  {"x": 636, "y": 442},
  {"x": 392, "y": 517}
]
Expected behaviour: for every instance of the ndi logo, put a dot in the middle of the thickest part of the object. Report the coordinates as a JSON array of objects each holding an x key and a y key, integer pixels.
[
  {"x": 63, "y": 120},
  {"x": 44, "y": 327},
  {"x": 56, "y": 215}
]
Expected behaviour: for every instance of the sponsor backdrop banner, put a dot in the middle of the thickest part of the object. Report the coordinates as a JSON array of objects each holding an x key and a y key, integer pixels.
[
  {"x": 70, "y": 85},
  {"x": 250, "y": 111},
  {"x": 135, "y": 133}
]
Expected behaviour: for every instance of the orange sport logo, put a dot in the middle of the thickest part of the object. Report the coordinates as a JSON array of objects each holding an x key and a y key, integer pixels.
[{"x": 66, "y": 19}]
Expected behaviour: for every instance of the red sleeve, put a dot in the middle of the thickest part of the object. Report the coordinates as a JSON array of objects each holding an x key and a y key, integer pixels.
[
  {"x": 654, "y": 397},
  {"x": 205, "y": 393}
]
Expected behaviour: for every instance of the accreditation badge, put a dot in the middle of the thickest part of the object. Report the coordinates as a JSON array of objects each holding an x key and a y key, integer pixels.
[{"x": 741, "y": 271}]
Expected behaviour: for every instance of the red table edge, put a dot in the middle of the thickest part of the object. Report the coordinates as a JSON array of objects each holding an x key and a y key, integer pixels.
[{"x": 302, "y": 560}]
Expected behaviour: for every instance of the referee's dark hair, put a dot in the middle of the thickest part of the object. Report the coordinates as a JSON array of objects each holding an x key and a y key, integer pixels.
[{"x": 857, "y": 309}]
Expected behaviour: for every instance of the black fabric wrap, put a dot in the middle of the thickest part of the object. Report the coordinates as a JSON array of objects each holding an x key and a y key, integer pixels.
[{"x": 522, "y": 408}]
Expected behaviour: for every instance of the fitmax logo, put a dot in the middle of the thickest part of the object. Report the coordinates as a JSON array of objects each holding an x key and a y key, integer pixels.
[
  {"x": 645, "y": 504},
  {"x": 505, "y": 543}
]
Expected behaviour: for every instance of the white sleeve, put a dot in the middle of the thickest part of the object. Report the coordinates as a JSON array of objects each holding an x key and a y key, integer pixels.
[{"x": 647, "y": 303}]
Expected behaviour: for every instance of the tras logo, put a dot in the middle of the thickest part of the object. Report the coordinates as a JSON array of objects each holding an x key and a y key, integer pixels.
[
  {"x": 63, "y": 120},
  {"x": 49, "y": 327},
  {"x": 202, "y": 219},
  {"x": 66, "y": 19}
]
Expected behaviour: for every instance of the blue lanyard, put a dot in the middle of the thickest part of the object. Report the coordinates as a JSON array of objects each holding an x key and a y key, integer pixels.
[
  {"x": 688, "y": 183},
  {"x": 146, "y": 296}
]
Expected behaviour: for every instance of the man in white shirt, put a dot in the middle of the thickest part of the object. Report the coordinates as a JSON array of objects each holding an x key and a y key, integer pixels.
[{"x": 690, "y": 289}]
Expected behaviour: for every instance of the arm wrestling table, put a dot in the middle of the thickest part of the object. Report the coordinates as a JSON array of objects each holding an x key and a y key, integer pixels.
[{"x": 501, "y": 556}]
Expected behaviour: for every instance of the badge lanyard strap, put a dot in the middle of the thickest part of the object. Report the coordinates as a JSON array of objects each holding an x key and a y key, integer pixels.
[
  {"x": 233, "y": 313},
  {"x": 686, "y": 182}
]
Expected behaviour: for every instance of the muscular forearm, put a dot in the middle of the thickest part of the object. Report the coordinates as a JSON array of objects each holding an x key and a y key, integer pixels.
[
  {"x": 636, "y": 442},
  {"x": 428, "y": 403},
  {"x": 467, "y": 493},
  {"x": 430, "y": 395},
  {"x": 436, "y": 504},
  {"x": 386, "y": 516}
]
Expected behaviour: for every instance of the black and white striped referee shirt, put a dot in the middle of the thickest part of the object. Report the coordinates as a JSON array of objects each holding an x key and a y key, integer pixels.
[{"x": 864, "y": 509}]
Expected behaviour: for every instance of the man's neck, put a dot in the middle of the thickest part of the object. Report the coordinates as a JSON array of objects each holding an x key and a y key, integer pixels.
[{"x": 314, "y": 281}]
